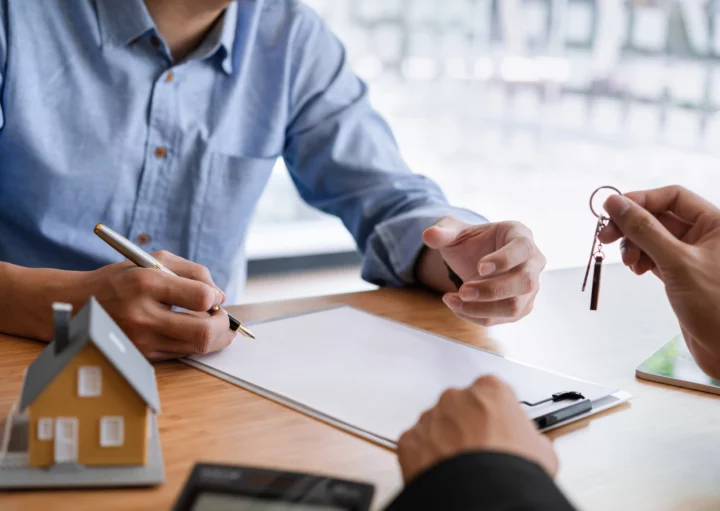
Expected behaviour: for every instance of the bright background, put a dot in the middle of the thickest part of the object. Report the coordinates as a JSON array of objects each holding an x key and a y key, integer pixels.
[{"x": 519, "y": 109}]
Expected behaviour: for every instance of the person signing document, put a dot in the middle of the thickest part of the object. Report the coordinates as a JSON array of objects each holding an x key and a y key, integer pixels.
[{"x": 162, "y": 119}]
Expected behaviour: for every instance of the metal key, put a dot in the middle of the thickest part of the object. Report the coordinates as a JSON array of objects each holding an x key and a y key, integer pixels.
[
  {"x": 602, "y": 222},
  {"x": 596, "y": 251}
]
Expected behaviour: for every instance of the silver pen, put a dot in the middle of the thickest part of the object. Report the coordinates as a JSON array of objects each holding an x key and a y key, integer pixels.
[{"x": 141, "y": 258}]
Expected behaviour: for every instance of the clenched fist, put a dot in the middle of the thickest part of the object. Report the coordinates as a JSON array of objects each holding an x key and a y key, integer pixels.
[{"x": 484, "y": 417}]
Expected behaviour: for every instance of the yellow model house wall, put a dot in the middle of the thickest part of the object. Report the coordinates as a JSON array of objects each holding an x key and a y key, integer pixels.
[{"x": 60, "y": 399}]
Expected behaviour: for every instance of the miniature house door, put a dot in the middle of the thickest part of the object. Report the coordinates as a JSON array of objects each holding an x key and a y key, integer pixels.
[{"x": 66, "y": 439}]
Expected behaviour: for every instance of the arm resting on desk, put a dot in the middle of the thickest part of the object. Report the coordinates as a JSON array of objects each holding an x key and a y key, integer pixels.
[
  {"x": 27, "y": 294},
  {"x": 483, "y": 480}
]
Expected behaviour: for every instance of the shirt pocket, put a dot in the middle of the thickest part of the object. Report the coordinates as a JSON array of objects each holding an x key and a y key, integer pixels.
[{"x": 231, "y": 187}]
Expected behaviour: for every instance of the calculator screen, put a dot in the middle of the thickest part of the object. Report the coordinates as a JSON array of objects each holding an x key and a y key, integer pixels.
[{"x": 212, "y": 501}]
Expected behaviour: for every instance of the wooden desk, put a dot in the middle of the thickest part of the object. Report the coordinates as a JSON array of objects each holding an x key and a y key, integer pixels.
[{"x": 661, "y": 451}]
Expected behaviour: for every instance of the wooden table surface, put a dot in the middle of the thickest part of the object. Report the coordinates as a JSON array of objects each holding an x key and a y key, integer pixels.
[{"x": 660, "y": 451}]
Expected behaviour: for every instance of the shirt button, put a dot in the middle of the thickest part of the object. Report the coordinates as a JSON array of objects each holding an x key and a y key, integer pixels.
[
  {"x": 155, "y": 41},
  {"x": 160, "y": 152},
  {"x": 169, "y": 76},
  {"x": 143, "y": 239}
]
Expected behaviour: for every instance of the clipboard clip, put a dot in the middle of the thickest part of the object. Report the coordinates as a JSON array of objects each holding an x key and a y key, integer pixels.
[{"x": 580, "y": 406}]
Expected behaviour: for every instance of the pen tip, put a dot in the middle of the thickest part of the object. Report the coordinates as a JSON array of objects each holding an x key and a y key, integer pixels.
[
  {"x": 244, "y": 331},
  {"x": 97, "y": 228}
]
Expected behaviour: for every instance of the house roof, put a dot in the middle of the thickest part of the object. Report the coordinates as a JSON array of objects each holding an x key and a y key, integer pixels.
[{"x": 93, "y": 325}]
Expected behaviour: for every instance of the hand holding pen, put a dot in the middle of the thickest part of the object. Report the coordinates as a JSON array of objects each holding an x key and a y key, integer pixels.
[
  {"x": 144, "y": 260},
  {"x": 142, "y": 301}
]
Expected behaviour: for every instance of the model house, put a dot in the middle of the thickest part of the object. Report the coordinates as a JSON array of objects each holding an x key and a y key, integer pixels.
[{"x": 90, "y": 395}]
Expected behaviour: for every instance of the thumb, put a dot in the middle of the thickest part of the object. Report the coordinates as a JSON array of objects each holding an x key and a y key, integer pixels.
[
  {"x": 443, "y": 233},
  {"x": 642, "y": 228}
]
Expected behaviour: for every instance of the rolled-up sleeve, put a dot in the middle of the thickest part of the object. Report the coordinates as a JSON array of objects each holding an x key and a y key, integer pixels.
[{"x": 344, "y": 160}]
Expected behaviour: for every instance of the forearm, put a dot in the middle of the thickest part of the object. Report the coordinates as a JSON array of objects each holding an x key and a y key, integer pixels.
[{"x": 27, "y": 294}]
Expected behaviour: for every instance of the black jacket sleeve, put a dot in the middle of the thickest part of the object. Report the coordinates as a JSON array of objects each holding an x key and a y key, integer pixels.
[{"x": 482, "y": 481}]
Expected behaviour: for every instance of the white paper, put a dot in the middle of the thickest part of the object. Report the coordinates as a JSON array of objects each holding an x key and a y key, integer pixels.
[{"x": 369, "y": 373}]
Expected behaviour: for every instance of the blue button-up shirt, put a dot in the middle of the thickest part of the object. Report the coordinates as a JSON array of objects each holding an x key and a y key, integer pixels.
[{"x": 98, "y": 123}]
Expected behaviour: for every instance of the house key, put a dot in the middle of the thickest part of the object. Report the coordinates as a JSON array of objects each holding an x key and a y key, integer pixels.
[{"x": 596, "y": 252}]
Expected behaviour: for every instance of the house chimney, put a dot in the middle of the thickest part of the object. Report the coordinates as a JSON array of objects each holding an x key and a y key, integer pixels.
[{"x": 61, "y": 314}]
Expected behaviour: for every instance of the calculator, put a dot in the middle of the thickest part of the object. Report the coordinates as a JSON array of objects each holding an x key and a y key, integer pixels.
[{"x": 233, "y": 488}]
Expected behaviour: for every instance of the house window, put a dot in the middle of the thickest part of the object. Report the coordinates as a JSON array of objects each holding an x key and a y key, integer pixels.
[
  {"x": 45, "y": 428},
  {"x": 112, "y": 431},
  {"x": 89, "y": 381}
]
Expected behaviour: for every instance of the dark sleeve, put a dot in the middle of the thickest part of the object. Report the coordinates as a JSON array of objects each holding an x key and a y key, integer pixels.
[{"x": 482, "y": 481}]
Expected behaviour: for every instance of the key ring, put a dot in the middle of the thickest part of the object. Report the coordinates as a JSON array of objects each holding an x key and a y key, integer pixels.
[
  {"x": 596, "y": 191},
  {"x": 596, "y": 251}
]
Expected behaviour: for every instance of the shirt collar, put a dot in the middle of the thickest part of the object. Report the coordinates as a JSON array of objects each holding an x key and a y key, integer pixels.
[
  {"x": 220, "y": 40},
  {"x": 227, "y": 36},
  {"x": 123, "y": 21}
]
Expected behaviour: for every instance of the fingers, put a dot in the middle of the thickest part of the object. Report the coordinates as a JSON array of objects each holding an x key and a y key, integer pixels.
[
  {"x": 508, "y": 308},
  {"x": 519, "y": 248},
  {"x": 410, "y": 455},
  {"x": 632, "y": 256},
  {"x": 167, "y": 334},
  {"x": 159, "y": 356},
  {"x": 610, "y": 234},
  {"x": 415, "y": 452},
  {"x": 520, "y": 281},
  {"x": 500, "y": 299},
  {"x": 173, "y": 290},
  {"x": 644, "y": 265},
  {"x": 188, "y": 294},
  {"x": 188, "y": 269},
  {"x": 687, "y": 205},
  {"x": 443, "y": 233},
  {"x": 484, "y": 417},
  {"x": 156, "y": 346},
  {"x": 630, "y": 252},
  {"x": 196, "y": 335},
  {"x": 677, "y": 226},
  {"x": 644, "y": 230},
  {"x": 486, "y": 322},
  {"x": 491, "y": 383}
]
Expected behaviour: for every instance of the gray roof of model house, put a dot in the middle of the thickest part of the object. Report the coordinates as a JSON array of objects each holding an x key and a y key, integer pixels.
[{"x": 93, "y": 325}]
